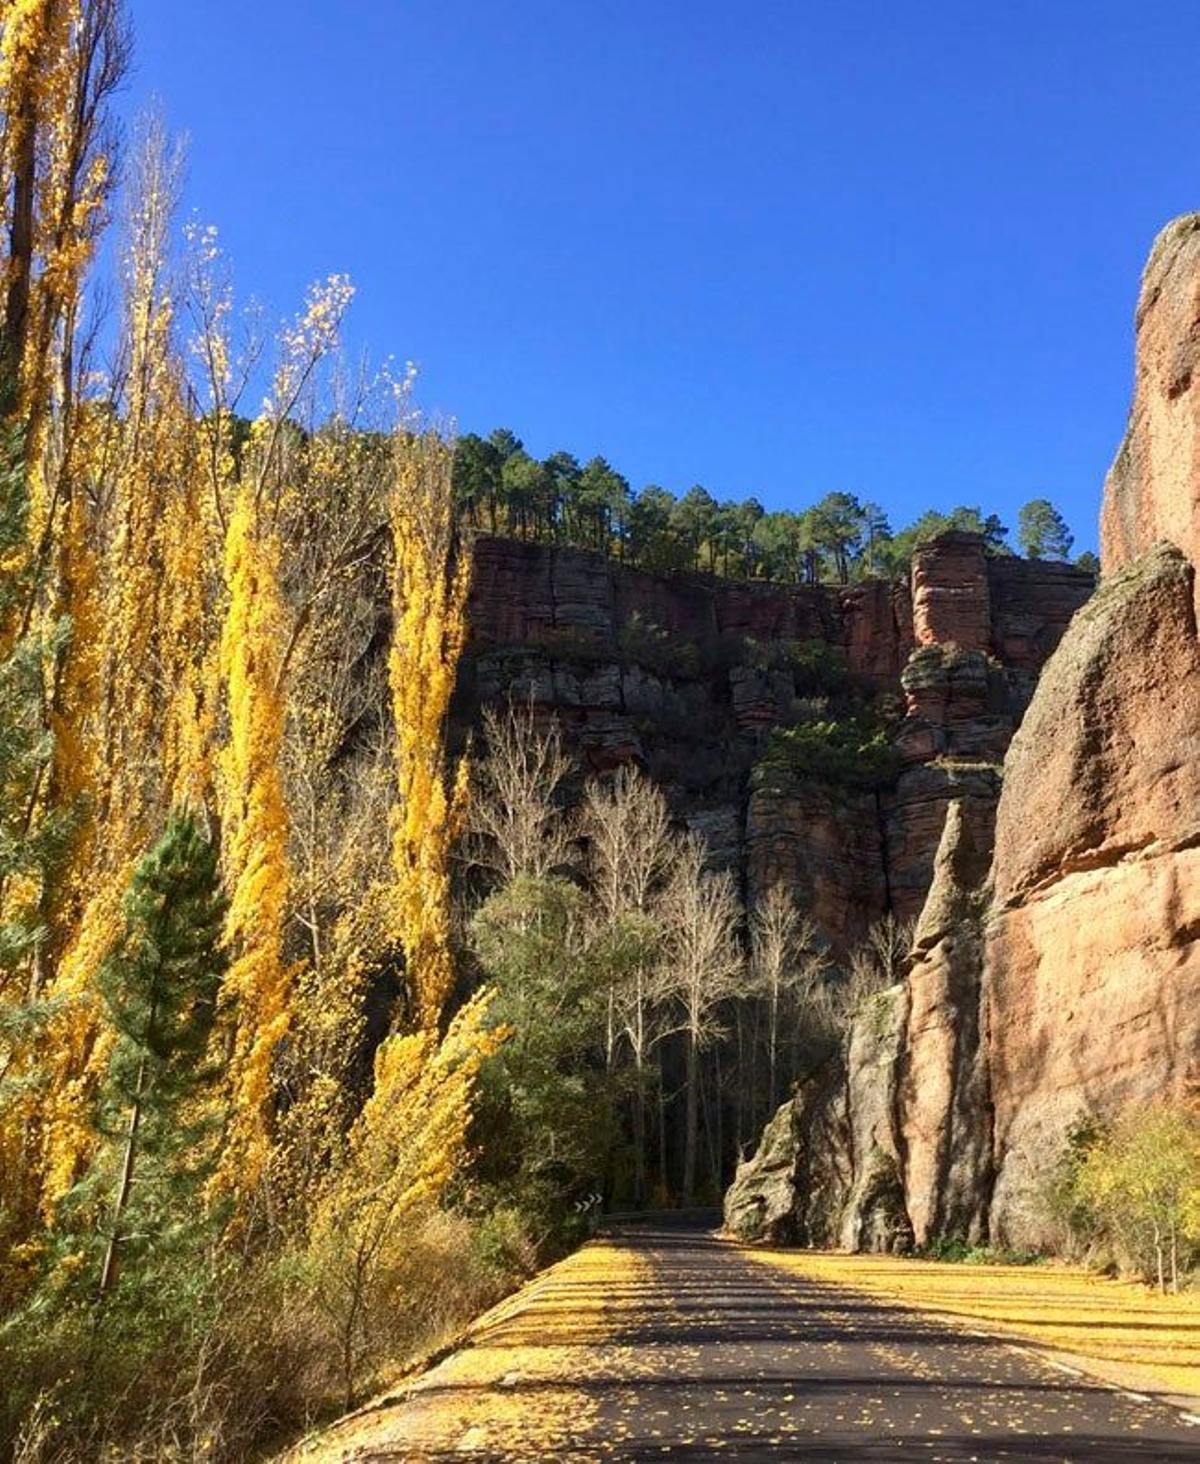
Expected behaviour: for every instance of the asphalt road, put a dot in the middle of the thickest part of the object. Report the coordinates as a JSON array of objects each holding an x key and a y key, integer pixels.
[{"x": 717, "y": 1356}]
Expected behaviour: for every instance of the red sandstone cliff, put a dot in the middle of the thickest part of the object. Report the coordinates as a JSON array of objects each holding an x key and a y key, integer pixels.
[
  {"x": 1062, "y": 979},
  {"x": 1153, "y": 487},
  {"x": 679, "y": 672},
  {"x": 1092, "y": 976}
]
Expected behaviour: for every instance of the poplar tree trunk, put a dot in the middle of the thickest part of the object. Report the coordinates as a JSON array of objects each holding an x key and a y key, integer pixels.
[
  {"x": 20, "y": 256},
  {"x": 691, "y": 1127}
]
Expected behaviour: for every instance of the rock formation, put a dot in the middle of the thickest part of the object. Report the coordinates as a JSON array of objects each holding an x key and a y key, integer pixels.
[
  {"x": 689, "y": 674},
  {"x": 942, "y": 1111},
  {"x": 1056, "y": 975},
  {"x": 1153, "y": 487},
  {"x": 1092, "y": 975}
]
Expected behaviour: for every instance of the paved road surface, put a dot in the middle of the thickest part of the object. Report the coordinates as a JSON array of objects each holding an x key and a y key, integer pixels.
[{"x": 710, "y": 1354}]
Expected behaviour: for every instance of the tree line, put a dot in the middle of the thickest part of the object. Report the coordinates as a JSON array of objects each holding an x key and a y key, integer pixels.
[{"x": 500, "y": 488}]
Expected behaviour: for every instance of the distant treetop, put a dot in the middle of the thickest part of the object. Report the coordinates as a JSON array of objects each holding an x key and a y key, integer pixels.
[{"x": 502, "y": 489}]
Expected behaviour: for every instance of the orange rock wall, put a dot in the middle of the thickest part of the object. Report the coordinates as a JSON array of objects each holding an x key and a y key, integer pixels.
[{"x": 1153, "y": 487}]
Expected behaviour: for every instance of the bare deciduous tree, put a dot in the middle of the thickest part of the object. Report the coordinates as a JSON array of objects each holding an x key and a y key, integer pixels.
[
  {"x": 704, "y": 966},
  {"x": 890, "y": 942},
  {"x": 627, "y": 826},
  {"x": 879, "y": 961},
  {"x": 517, "y": 824},
  {"x": 784, "y": 962}
]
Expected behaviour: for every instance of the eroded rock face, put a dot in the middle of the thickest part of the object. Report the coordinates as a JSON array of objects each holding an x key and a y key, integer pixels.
[
  {"x": 873, "y": 1211},
  {"x": 1111, "y": 742},
  {"x": 827, "y": 1170},
  {"x": 826, "y": 845},
  {"x": 678, "y": 673},
  {"x": 1092, "y": 987},
  {"x": 951, "y": 594},
  {"x": 944, "y": 1105},
  {"x": 1153, "y": 488}
]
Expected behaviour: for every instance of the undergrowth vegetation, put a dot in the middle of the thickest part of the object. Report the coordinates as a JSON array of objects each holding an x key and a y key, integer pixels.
[{"x": 1127, "y": 1192}]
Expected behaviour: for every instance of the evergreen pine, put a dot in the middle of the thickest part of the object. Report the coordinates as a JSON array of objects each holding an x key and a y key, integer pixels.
[
  {"x": 160, "y": 987},
  {"x": 1043, "y": 531}
]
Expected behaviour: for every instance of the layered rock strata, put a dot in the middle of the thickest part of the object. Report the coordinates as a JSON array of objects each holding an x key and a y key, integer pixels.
[{"x": 688, "y": 675}]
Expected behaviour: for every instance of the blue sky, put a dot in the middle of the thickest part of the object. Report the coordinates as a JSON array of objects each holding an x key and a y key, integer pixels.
[{"x": 775, "y": 248}]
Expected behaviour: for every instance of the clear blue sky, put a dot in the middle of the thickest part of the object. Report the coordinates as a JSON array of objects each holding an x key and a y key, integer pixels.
[{"x": 890, "y": 246}]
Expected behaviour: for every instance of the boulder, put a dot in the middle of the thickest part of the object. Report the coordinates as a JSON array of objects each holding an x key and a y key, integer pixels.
[
  {"x": 792, "y": 1189},
  {"x": 827, "y": 1170}
]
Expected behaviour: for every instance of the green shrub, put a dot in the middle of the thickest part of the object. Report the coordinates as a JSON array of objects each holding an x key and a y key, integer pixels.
[
  {"x": 645, "y": 644},
  {"x": 851, "y": 751},
  {"x": 975, "y": 1253},
  {"x": 819, "y": 669}
]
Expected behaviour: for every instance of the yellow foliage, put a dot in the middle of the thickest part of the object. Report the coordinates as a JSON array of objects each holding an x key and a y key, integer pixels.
[
  {"x": 429, "y": 597},
  {"x": 1120, "y": 1323},
  {"x": 77, "y": 1043},
  {"x": 54, "y": 68},
  {"x": 256, "y": 995},
  {"x": 409, "y": 1142},
  {"x": 126, "y": 708},
  {"x": 568, "y": 1327}
]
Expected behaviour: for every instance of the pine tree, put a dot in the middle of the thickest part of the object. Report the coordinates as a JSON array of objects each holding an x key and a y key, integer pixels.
[
  {"x": 160, "y": 987},
  {"x": 1042, "y": 531}
]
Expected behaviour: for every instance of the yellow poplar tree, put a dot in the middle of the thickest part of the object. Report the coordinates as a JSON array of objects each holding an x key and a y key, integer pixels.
[
  {"x": 430, "y": 585},
  {"x": 411, "y": 1136},
  {"x": 127, "y": 718},
  {"x": 257, "y": 993},
  {"x": 408, "y": 1145},
  {"x": 60, "y": 62}
]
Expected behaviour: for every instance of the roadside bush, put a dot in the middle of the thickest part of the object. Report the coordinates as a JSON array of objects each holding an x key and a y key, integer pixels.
[
  {"x": 1133, "y": 1188},
  {"x": 223, "y": 1360},
  {"x": 974, "y": 1253}
]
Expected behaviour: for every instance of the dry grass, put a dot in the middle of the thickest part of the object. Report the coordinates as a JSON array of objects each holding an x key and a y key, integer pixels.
[
  {"x": 1135, "y": 1335},
  {"x": 547, "y": 1338}
]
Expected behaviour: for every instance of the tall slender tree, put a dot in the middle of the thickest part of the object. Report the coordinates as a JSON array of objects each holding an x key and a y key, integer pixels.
[{"x": 160, "y": 986}]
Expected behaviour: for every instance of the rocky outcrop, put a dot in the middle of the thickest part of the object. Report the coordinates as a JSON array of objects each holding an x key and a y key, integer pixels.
[
  {"x": 916, "y": 817},
  {"x": 1092, "y": 966},
  {"x": 792, "y": 1190},
  {"x": 1153, "y": 487},
  {"x": 1092, "y": 961},
  {"x": 827, "y": 1170},
  {"x": 944, "y": 1104},
  {"x": 951, "y": 594},
  {"x": 1055, "y": 974},
  {"x": 873, "y": 1216}
]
